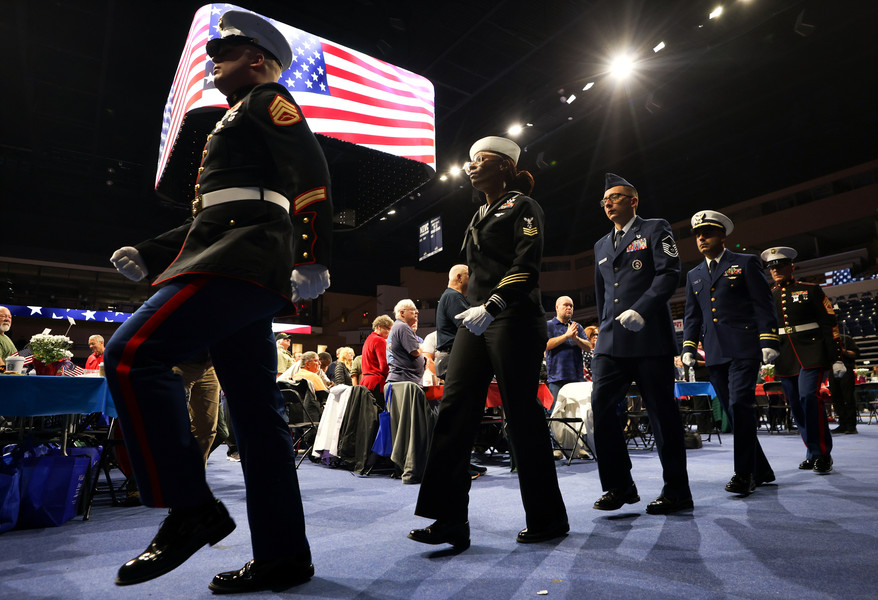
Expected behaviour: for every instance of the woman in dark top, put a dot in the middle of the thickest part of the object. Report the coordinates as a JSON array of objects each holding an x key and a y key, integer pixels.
[
  {"x": 342, "y": 375},
  {"x": 503, "y": 334}
]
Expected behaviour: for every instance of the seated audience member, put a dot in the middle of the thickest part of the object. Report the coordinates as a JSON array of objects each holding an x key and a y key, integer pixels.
[
  {"x": 7, "y": 348},
  {"x": 325, "y": 361},
  {"x": 428, "y": 348},
  {"x": 284, "y": 357},
  {"x": 374, "y": 357},
  {"x": 408, "y": 364},
  {"x": 94, "y": 360},
  {"x": 343, "y": 364},
  {"x": 591, "y": 334},
  {"x": 309, "y": 370},
  {"x": 357, "y": 370}
]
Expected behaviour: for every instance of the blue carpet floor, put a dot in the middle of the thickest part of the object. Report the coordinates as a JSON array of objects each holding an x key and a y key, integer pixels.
[{"x": 807, "y": 536}]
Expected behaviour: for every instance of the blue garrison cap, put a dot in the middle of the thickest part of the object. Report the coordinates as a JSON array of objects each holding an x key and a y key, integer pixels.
[{"x": 612, "y": 180}]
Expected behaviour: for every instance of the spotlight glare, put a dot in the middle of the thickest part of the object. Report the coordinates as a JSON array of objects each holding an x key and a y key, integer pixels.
[
  {"x": 660, "y": 46},
  {"x": 716, "y": 12},
  {"x": 571, "y": 98},
  {"x": 454, "y": 170},
  {"x": 443, "y": 177},
  {"x": 514, "y": 130},
  {"x": 588, "y": 86},
  {"x": 622, "y": 66},
  {"x": 391, "y": 212}
]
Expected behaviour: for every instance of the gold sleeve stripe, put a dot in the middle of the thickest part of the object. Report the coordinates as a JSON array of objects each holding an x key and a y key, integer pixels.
[
  {"x": 530, "y": 231},
  {"x": 769, "y": 336},
  {"x": 690, "y": 343},
  {"x": 517, "y": 278},
  {"x": 308, "y": 198}
]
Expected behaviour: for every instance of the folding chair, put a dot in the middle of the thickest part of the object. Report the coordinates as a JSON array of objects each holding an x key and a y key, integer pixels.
[
  {"x": 300, "y": 417},
  {"x": 571, "y": 413},
  {"x": 780, "y": 415},
  {"x": 637, "y": 428}
]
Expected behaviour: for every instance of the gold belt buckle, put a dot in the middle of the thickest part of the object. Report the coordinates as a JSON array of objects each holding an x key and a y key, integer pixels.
[
  {"x": 196, "y": 205},
  {"x": 792, "y": 328}
]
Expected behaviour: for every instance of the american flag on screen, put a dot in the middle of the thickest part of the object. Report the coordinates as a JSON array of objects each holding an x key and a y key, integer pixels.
[{"x": 343, "y": 93}]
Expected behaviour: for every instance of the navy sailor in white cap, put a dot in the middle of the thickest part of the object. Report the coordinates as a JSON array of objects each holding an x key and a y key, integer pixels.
[
  {"x": 728, "y": 302},
  {"x": 258, "y": 238},
  {"x": 503, "y": 334},
  {"x": 637, "y": 270}
]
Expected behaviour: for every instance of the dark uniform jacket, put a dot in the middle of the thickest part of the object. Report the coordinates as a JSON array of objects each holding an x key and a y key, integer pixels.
[
  {"x": 504, "y": 250},
  {"x": 262, "y": 141},
  {"x": 798, "y": 303},
  {"x": 641, "y": 274},
  {"x": 732, "y": 308}
]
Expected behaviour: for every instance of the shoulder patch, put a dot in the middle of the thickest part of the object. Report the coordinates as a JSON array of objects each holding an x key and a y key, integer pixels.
[
  {"x": 669, "y": 246},
  {"x": 283, "y": 112},
  {"x": 529, "y": 228}
]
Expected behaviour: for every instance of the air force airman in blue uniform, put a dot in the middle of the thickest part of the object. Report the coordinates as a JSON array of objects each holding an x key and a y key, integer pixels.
[
  {"x": 637, "y": 270},
  {"x": 728, "y": 303}
]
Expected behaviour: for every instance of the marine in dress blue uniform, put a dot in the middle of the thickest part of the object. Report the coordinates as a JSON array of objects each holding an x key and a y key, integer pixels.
[
  {"x": 809, "y": 343},
  {"x": 502, "y": 335},
  {"x": 258, "y": 238},
  {"x": 636, "y": 272},
  {"x": 728, "y": 303}
]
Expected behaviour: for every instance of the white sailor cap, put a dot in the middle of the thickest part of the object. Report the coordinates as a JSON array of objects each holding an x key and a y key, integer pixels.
[
  {"x": 241, "y": 27},
  {"x": 712, "y": 218},
  {"x": 781, "y": 255},
  {"x": 498, "y": 145}
]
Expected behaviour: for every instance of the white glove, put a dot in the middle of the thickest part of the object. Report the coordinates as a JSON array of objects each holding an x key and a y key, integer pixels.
[
  {"x": 128, "y": 261},
  {"x": 631, "y": 320},
  {"x": 838, "y": 369},
  {"x": 476, "y": 319},
  {"x": 769, "y": 354},
  {"x": 308, "y": 281},
  {"x": 689, "y": 359}
]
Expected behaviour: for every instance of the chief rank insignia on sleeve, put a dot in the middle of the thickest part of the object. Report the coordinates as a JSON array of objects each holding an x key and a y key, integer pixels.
[{"x": 283, "y": 112}]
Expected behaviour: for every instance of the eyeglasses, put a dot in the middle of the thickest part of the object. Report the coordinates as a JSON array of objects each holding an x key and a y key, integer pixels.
[
  {"x": 467, "y": 166},
  {"x": 613, "y": 199}
]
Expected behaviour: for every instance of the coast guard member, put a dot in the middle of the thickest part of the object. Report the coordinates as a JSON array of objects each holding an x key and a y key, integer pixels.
[
  {"x": 261, "y": 224},
  {"x": 637, "y": 270},
  {"x": 728, "y": 302},
  {"x": 809, "y": 343}
]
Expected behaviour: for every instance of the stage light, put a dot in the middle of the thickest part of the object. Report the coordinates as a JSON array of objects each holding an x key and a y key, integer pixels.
[
  {"x": 391, "y": 211},
  {"x": 660, "y": 46},
  {"x": 716, "y": 12},
  {"x": 443, "y": 177},
  {"x": 515, "y": 129},
  {"x": 571, "y": 98},
  {"x": 454, "y": 170},
  {"x": 622, "y": 66},
  {"x": 588, "y": 86}
]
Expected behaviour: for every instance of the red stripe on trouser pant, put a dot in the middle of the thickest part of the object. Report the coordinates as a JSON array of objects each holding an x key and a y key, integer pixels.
[
  {"x": 123, "y": 374},
  {"x": 822, "y": 426}
]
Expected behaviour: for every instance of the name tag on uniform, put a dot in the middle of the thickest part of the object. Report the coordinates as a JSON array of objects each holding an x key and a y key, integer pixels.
[
  {"x": 602, "y": 261},
  {"x": 638, "y": 244}
]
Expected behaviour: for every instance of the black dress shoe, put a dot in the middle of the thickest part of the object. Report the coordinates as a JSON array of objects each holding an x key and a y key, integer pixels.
[
  {"x": 666, "y": 506},
  {"x": 840, "y": 429},
  {"x": 181, "y": 535},
  {"x": 275, "y": 575},
  {"x": 614, "y": 499},
  {"x": 823, "y": 464},
  {"x": 443, "y": 532},
  {"x": 741, "y": 484},
  {"x": 763, "y": 479},
  {"x": 807, "y": 464},
  {"x": 851, "y": 431},
  {"x": 543, "y": 534}
]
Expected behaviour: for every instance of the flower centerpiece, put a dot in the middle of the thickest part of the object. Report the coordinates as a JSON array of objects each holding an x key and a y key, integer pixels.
[
  {"x": 50, "y": 352},
  {"x": 768, "y": 372}
]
